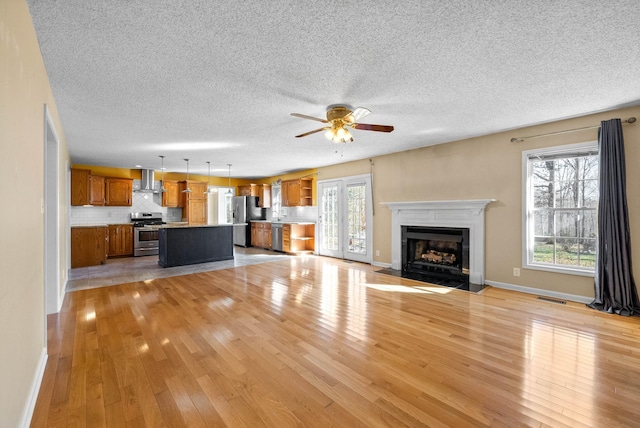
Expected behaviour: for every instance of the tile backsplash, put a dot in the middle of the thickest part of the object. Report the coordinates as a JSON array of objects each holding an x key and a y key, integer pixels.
[{"x": 142, "y": 202}]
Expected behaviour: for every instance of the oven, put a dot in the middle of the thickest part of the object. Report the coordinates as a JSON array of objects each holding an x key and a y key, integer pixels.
[{"x": 145, "y": 233}]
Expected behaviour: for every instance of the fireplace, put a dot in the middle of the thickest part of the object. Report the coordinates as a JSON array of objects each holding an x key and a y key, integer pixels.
[
  {"x": 436, "y": 254},
  {"x": 443, "y": 215}
]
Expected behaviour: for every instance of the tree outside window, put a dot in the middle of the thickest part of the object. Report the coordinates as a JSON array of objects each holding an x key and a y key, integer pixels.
[{"x": 562, "y": 197}]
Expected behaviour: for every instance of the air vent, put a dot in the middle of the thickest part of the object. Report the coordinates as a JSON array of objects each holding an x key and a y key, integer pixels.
[{"x": 552, "y": 300}]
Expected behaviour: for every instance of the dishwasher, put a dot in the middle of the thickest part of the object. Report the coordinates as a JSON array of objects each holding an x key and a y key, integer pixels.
[{"x": 276, "y": 236}]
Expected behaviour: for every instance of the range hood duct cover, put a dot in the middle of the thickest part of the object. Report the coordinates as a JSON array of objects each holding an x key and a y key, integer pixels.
[{"x": 146, "y": 181}]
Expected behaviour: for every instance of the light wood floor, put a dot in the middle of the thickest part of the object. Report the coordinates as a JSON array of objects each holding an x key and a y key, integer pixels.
[{"x": 318, "y": 342}]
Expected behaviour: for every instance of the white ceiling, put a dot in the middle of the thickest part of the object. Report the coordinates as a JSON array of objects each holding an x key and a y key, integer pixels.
[{"x": 217, "y": 80}]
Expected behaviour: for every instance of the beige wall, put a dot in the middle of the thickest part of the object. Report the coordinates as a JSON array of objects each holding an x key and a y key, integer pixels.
[
  {"x": 485, "y": 167},
  {"x": 24, "y": 89},
  {"x": 490, "y": 167}
]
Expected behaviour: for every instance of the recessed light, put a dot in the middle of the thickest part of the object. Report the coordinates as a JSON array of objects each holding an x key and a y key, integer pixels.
[{"x": 137, "y": 166}]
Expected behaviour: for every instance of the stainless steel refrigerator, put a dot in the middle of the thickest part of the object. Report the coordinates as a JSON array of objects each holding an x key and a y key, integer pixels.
[{"x": 245, "y": 209}]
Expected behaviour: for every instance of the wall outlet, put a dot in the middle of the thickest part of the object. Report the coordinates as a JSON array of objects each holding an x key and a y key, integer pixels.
[
  {"x": 377, "y": 253},
  {"x": 516, "y": 271}
]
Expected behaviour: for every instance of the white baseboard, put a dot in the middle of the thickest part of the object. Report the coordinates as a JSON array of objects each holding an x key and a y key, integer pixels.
[
  {"x": 540, "y": 292},
  {"x": 382, "y": 265},
  {"x": 30, "y": 405}
]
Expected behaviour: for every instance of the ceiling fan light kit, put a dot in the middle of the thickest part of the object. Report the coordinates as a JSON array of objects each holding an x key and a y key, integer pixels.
[{"x": 338, "y": 119}]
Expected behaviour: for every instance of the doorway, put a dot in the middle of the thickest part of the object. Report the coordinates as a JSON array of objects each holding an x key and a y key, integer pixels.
[
  {"x": 50, "y": 206},
  {"x": 345, "y": 214},
  {"x": 219, "y": 206}
]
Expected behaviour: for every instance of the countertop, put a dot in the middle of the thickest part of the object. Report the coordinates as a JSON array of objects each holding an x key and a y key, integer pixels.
[
  {"x": 186, "y": 225},
  {"x": 283, "y": 222}
]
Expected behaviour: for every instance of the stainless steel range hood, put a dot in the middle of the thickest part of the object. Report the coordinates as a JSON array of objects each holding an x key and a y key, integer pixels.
[{"x": 146, "y": 181}]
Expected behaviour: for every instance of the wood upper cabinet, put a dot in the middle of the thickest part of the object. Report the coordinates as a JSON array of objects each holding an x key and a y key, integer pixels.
[
  {"x": 120, "y": 240},
  {"x": 265, "y": 195},
  {"x": 194, "y": 203},
  {"x": 171, "y": 197},
  {"x": 296, "y": 193},
  {"x": 88, "y": 246},
  {"x": 96, "y": 190},
  {"x": 262, "y": 191},
  {"x": 86, "y": 189},
  {"x": 118, "y": 191},
  {"x": 80, "y": 189},
  {"x": 248, "y": 190}
]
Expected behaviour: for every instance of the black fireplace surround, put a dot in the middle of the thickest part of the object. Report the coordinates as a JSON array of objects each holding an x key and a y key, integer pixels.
[{"x": 439, "y": 255}]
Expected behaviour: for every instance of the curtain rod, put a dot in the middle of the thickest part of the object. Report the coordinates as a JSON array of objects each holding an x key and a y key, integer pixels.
[{"x": 521, "y": 139}]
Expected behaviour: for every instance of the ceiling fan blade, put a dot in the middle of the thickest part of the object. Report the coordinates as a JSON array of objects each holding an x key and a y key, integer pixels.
[
  {"x": 359, "y": 113},
  {"x": 304, "y": 116},
  {"x": 312, "y": 132},
  {"x": 367, "y": 127}
]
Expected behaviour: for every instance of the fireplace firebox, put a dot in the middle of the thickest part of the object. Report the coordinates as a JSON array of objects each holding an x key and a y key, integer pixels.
[{"x": 438, "y": 255}]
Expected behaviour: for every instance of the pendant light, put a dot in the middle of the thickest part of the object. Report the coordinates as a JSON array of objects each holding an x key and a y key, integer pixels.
[
  {"x": 162, "y": 188},
  {"x": 229, "y": 192},
  {"x": 210, "y": 188},
  {"x": 187, "y": 190}
]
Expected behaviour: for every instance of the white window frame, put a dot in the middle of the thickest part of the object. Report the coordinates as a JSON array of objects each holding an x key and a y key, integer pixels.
[{"x": 527, "y": 205}]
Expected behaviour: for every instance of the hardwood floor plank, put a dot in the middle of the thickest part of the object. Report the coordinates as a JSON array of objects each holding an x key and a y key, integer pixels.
[{"x": 316, "y": 342}]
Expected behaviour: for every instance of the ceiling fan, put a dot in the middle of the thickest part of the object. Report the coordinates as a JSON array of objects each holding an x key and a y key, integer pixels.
[{"x": 339, "y": 118}]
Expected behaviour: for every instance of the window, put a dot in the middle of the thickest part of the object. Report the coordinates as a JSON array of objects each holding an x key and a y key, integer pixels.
[{"x": 560, "y": 202}]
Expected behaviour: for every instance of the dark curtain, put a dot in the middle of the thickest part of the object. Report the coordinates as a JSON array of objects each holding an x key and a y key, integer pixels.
[{"x": 615, "y": 289}]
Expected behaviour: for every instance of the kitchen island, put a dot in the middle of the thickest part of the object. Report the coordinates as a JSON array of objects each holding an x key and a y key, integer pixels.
[{"x": 187, "y": 245}]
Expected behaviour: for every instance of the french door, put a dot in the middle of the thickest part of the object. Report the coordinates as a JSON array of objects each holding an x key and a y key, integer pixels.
[{"x": 345, "y": 215}]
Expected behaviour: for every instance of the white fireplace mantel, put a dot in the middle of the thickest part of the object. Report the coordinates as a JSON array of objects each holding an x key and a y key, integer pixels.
[{"x": 457, "y": 213}]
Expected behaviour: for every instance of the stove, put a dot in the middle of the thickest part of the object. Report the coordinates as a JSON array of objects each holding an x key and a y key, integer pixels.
[{"x": 145, "y": 233}]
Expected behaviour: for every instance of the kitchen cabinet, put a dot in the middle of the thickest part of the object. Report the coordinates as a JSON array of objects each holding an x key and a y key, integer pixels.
[
  {"x": 296, "y": 193},
  {"x": 262, "y": 191},
  {"x": 171, "y": 197},
  {"x": 88, "y": 246},
  {"x": 120, "y": 240},
  {"x": 118, "y": 191},
  {"x": 96, "y": 190},
  {"x": 248, "y": 190},
  {"x": 195, "y": 212},
  {"x": 194, "y": 203},
  {"x": 298, "y": 238},
  {"x": 261, "y": 235},
  {"x": 264, "y": 195},
  {"x": 80, "y": 189},
  {"x": 87, "y": 189}
]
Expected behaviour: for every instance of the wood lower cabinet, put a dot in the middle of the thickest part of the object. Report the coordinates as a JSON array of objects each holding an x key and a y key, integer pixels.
[
  {"x": 171, "y": 196},
  {"x": 261, "y": 235},
  {"x": 298, "y": 238},
  {"x": 88, "y": 246},
  {"x": 194, "y": 203},
  {"x": 296, "y": 193},
  {"x": 120, "y": 240},
  {"x": 118, "y": 191}
]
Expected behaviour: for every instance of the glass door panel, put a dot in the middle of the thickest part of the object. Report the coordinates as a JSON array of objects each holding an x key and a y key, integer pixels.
[
  {"x": 329, "y": 219},
  {"x": 345, "y": 207}
]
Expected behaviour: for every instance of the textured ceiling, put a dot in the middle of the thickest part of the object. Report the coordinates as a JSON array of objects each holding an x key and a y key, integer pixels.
[{"x": 217, "y": 80}]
